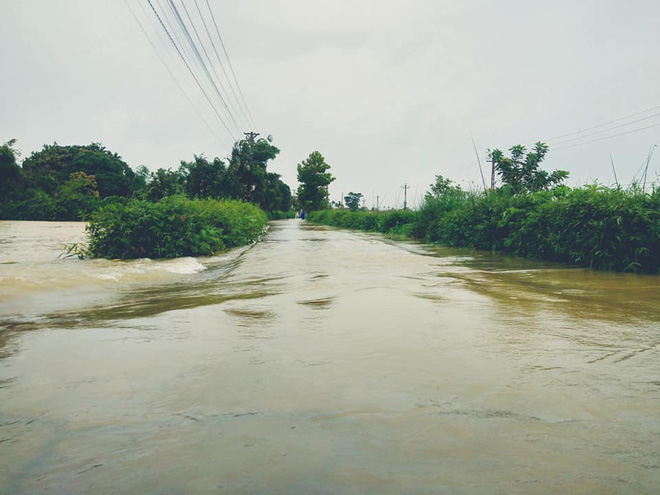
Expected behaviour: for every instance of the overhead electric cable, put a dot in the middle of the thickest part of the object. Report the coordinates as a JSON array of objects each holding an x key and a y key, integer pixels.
[
  {"x": 603, "y": 124},
  {"x": 137, "y": 20},
  {"x": 246, "y": 117},
  {"x": 191, "y": 71},
  {"x": 606, "y": 137},
  {"x": 208, "y": 59},
  {"x": 217, "y": 30},
  {"x": 606, "y": 130},
  {"x": 200, "y": 60}
]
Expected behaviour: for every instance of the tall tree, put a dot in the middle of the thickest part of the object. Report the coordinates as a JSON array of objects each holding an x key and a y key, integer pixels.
[
  {"x": 207, "y": 179},
  {"x": 247, "y": 167},
  {"x": 314, "y": 180},
  {"x": 521, "y": 173},
  {"x": 352, "y": 200}
]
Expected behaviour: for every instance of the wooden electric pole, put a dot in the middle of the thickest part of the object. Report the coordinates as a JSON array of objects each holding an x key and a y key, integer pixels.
[{"x": 405, "y": 196}]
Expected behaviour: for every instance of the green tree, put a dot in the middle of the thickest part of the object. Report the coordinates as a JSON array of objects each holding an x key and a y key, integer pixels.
[
  {"x": 352, "y": 200},
  {"x": 77, "y": 197},
  {"x": 248, "y": 168},
  {"x": 521, "y": 173},
  {"x": 11, "y": 175},
  {"x": 165, "y": 183},
  {"x": 314, "y": 180},
  {"x": 49, "y": 168},
  {"x": 443, "y": 187},
  {"x": 273, "y": 194},
  {"x": 207, "y": 179}
]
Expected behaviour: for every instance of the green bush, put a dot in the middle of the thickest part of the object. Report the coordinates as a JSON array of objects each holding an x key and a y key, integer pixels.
[
  {"x": 173, "y": 227},
  {"x": 591, "y": 226},
  {"x": 280, "y": 215}
]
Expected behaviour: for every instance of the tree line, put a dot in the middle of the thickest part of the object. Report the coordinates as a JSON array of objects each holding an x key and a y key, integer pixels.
[{"x": 68, "y": 182}]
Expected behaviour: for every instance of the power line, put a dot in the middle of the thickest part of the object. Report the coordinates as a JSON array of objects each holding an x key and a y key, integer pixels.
[
  {"x": 222, "y": 66},
  {"x": 606, "y": 130},
  {"x": 198, "y": 56},
  {"x": 607, "y": 137},
  {"x": 603, "y": 124},
  {"x": 191, "y": 71},
  {"x": 137, "y": 20},
  {"x": 192, "y": 24},
  {"x": 224, "y": 49}
]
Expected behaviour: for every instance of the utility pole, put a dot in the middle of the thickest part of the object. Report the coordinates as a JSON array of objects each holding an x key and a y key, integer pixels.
[
  {"x": 492, "y": 173},
  {"x": 251, "y": 136},
  {"x": 405, "y": 196},
  {"x": 377, "y": 198}
]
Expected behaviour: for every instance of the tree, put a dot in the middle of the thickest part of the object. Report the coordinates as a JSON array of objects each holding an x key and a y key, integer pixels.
[
  {"x": 207, "y": 179},
  {"x": 443, "y": 187},
  {"x": 352, "y": 200},
  {"x": 248, "y": 168},
  {"x": 314, "y": 180},
  {"x": 521, "y": 172},
  {"x": 10, "y": 172},
  {"x": 49, "y": 168},
  {"x": 78, "y": 196},
  {"x": 165, "y": 183}
]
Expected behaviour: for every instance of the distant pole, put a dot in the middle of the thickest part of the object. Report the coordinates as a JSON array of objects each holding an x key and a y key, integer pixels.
[
  {"x": 481, "y": 171},
  {"x": 648, "y": 160},
  {"x": 405, "y": 196},
  {"x": 614, "y": 170},
  {"x": 377, "y": 197},
  {"x": 251, "y": 136},
  {"x": 492, "y": 173}
]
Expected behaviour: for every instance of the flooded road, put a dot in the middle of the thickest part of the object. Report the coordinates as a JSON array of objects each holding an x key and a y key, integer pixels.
[{"x": 323, "y": 361}]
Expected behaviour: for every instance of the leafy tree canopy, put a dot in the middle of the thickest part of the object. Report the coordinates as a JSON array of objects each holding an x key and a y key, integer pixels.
[
  {"x": 10, "y": 171},
  {"x": 53, "y": 165},
  {"x": 521, "y": 173},
  {"x": 352, "y": 200},
  {"x": 443, "y": 187},
  {"x": 314, "y": 180},
  {"x": 165, "y": 183}
]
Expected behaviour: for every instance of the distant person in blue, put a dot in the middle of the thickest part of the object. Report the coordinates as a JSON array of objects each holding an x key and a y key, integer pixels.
[{"x": 302, "y": 215}]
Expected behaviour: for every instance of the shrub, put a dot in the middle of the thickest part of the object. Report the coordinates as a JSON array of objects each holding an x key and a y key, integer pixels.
[{"x": 173, "y": 227}]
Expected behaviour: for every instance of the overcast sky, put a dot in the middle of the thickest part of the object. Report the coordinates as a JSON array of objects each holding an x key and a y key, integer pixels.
[{"x": 390, "y": 92}]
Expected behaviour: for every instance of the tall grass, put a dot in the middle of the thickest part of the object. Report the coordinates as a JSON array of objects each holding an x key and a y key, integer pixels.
[
  {"x": 173, "y": 227},
  {"x": 591, "y": 226}
]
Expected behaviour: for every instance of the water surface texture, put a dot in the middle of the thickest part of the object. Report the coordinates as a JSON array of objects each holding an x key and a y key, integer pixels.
[{"x": 323, "y": 361}]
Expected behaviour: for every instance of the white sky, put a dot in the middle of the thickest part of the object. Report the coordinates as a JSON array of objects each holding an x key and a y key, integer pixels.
[{"x": 389, "y": 91}]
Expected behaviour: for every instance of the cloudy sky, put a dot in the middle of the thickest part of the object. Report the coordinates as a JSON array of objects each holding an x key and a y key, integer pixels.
[{"x": 391, "y": 92}]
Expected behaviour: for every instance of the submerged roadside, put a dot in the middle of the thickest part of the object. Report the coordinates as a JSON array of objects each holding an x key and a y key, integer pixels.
[{"x": 592, "y": 226}]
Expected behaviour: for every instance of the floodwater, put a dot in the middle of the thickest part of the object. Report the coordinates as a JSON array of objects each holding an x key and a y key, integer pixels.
[{"x": 323, "y": 361}]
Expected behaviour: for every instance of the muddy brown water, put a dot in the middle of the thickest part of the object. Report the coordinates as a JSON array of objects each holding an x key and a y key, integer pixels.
[{"x": 323, "y": 361}]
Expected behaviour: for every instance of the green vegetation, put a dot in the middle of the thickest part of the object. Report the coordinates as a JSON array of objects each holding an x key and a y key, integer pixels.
[
  {"x": 392, "y": 222},
  {"x": 591, "y": 226},
  {"x": 352, "y": 200},
  {"x": 175, "y": 226},
  {"x": 530, "y": 215},
  {"x": 314, "y": 180},
  {"x": 521, "y": 172},
  {"x": 71, "y": 182}
]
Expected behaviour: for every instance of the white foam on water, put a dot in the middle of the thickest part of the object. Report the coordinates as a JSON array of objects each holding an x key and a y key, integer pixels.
[{"x": 184, "y": 266}]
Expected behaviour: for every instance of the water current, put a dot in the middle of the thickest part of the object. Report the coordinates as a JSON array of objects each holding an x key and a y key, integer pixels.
[{"x": 323, "y": 361}]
